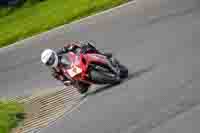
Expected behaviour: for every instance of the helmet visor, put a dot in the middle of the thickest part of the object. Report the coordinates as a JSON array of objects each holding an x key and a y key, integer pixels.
[{"x": 51, "y": 60}]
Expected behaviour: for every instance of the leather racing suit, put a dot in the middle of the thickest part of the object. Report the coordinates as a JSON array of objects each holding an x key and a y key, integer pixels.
[{"x": 72, "y": 46}]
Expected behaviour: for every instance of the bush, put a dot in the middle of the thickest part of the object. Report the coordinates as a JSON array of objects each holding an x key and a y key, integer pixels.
[
  {"x": 8, "y": 3},
  {"x": 35, "y": 1}
]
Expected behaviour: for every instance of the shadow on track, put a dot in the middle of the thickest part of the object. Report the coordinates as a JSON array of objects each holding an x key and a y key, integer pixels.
[{"x": 131, "y": 76}]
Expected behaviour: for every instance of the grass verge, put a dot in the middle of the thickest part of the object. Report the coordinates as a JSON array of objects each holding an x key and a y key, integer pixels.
[
  {"x": 32, "y": 19},
  {"x": 10, "y": 115}
]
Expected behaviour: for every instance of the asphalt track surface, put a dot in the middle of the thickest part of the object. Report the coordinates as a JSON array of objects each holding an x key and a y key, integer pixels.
[{"x": 158, "y": 40}]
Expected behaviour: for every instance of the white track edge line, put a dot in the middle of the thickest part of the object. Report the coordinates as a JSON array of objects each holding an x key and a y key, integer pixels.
[{"x": 69, "y": 24}]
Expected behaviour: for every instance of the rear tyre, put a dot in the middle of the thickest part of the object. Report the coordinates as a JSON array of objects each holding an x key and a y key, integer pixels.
[
  {"x": 123, "y": 71},
  {"x": 101, "y": 77}
]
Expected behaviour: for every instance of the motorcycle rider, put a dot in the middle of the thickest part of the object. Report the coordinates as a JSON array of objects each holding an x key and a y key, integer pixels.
[{"x": 52, "y": 58}]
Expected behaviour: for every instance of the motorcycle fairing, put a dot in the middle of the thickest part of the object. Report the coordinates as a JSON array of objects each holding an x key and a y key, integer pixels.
[
  {"x": 74, "y": 70},
  {"x": 78, "y": 69}
]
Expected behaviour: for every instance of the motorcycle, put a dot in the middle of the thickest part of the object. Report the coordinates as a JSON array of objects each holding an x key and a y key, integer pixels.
[{"x": 91, "y": 68}]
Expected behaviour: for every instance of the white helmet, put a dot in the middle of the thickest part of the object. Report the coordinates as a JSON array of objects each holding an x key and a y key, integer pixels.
[{"x": 49, "y": 58}]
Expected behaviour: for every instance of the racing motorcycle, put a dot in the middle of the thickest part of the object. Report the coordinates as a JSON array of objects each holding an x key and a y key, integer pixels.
[{"x": 86, "y": 69}]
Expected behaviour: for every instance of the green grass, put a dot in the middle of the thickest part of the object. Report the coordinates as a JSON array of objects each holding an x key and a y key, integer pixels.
[
  {"x": 4, "y": 12},
  {"x": 31, "y": 19},
  {"x": 8, "y": 119}
]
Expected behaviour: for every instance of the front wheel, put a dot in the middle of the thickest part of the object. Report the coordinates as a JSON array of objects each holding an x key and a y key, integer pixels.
[{"x": 81, "y": 87}]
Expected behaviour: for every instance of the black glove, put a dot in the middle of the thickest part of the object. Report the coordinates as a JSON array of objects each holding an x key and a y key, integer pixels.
[{"x": 56, "y": 76}]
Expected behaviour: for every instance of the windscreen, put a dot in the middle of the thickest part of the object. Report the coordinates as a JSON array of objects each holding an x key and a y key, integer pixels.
[{"x": 66, "y": 60}]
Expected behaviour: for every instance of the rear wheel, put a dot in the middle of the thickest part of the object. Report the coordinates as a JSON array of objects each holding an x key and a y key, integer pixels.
[
  {"x": 101, "y": 77},
  {"x": 123, "y": 71}
]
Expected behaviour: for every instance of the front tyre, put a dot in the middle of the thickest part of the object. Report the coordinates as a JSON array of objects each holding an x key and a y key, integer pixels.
[
  {"x": 81, "y": 87},
  {"x": 82, "y": 90}
]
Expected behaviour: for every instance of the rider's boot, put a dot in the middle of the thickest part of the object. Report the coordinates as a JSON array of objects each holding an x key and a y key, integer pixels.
[
  {"x": 108, "y": 55},
  {"x": 90, "y": 47}
]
